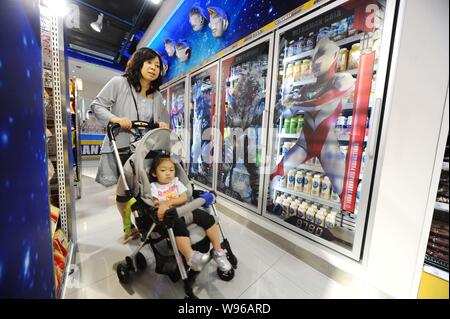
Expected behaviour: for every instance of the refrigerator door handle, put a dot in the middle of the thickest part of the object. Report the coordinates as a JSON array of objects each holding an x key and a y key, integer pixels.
[{"x": 373, "y": 128}]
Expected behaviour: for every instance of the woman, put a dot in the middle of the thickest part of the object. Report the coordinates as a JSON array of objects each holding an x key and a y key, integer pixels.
[{"x": 133, "y": 96}]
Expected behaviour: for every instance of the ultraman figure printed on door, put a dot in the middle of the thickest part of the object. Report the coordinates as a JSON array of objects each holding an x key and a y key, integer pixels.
[
  {"x": 321, "y": 103},
  {"x": 202, "y": 110},
  {"x": 242, "y": 120}
]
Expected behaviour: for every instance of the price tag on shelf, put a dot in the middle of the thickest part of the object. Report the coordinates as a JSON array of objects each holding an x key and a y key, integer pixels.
[{"x": 311, "y": 228}]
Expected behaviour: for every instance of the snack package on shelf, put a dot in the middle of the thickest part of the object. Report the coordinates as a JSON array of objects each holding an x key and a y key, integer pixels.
[
  {"x": 54, "y": 215},
  {"x": 60, "y": 263},
  {"x": 60, "y": 243}
]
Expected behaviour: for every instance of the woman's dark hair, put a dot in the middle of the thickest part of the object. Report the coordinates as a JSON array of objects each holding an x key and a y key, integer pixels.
[
  {"x": 155, "y": 163},
  {"x": 134, "y": 66}
]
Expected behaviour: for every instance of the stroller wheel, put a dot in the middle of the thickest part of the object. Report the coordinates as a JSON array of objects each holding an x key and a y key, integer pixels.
[
  {"x": 233, "y": 260},
  {"x": 225, "y": 275},
  {"x": 123, "y": 273},
  {"x": 141, "y": 262}
]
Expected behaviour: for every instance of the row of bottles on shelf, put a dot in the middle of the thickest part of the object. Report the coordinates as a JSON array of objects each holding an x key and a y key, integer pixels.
[
  {"x": 310, "y": 183},
  {"x": 309, "y": 211},
  {"x": 337, "y": 31},
  {"x": 301, "y": 70},
  {"x": 294, "y": 125}
]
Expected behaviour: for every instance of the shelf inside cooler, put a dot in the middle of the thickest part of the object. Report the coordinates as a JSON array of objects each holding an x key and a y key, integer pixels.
[{"x": 309, "y": 197}]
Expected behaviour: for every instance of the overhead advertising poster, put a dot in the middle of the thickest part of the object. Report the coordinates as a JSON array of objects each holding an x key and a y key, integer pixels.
[{"x": 199, "y": 29}]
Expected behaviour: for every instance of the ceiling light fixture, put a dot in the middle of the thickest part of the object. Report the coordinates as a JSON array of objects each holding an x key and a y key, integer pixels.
[
  {"x": 57, "y": 7},
  {"x": 156, "y": 2},
  {"x": 97, "y": 25}
]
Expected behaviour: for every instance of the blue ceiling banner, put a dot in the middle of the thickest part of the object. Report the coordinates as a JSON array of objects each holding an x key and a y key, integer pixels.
[
  {"x": 26, "y": 260},
  {"x": 199, "y": 29}
]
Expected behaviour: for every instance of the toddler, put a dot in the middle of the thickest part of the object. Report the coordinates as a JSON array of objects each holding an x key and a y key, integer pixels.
[{"x": 168, "y": 192}]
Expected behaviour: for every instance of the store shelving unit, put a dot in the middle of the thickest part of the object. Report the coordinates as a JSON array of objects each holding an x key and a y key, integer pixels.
[
  {"x": 59, "y": 125},
  {"x": 436, "y": 257}
]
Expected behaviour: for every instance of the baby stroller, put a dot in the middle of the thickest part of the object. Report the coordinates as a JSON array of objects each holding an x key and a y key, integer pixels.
[{"x": 159, "y": 235}]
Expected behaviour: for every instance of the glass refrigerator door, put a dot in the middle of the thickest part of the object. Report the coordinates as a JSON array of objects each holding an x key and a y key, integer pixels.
[
  {"x": 319, "y": 127},
  {"x": 176, "y": 103},
  {"x": 202, "y": 113},
  {"x": 244, "y": 77}
]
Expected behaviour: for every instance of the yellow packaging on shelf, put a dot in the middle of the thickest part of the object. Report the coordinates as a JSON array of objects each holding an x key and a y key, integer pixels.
[{"x": 432, "y": 287}]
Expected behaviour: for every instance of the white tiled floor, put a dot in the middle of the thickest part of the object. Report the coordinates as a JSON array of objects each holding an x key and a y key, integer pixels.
[{"x": 264, "y": 270}]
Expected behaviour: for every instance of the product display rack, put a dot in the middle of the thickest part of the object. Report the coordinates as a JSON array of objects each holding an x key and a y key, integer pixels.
[
  {"x": 437, "y": 252},
  {"x": 58, "y": 124}
]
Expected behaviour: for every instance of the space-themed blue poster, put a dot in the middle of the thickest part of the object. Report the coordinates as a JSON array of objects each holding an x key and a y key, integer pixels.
[
  {"x": 26, "y": 261},
  {"x": 199, "y": 29}
]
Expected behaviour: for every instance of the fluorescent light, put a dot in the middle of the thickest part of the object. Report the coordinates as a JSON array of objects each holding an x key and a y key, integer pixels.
[
  {"x": 156, "y": 2},
  {"x": 97, "y": 25},
  {"x": 57, "y": 7}
]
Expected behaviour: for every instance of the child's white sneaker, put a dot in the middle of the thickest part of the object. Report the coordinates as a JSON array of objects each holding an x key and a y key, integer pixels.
[
  {"x": 220, "y": 257},
  {"x": 198, "y": 260}
]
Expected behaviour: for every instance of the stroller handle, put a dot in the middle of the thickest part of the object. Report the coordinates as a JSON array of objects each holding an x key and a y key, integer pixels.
[{"x": 113, "y": 128}]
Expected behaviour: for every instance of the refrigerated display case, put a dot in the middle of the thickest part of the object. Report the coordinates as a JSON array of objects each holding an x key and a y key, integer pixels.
[
  {"x": 243, "y": 114},
  {"x": 202, "y": 108},
  {"x": 176, "y": 100},
  {"x": 327, "y": 87}
]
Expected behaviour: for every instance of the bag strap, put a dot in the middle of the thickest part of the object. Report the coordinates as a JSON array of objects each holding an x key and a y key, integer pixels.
[{"x": 134, "y": 100}]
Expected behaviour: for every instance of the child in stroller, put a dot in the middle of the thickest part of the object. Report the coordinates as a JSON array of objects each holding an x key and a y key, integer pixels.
[
  {"x": 168, "y": 192},
  {"x": 159, "y": 231}
]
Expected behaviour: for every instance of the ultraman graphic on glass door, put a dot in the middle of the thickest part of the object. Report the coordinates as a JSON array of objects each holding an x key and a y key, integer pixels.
[
  {"x": 243, "y": 100},
  {"x": 323, "y": 99},
  {"x": 202, "y": 110}
]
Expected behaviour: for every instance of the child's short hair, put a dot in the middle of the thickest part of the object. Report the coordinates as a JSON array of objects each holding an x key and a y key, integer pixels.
[{"x": 155, "y": 163}]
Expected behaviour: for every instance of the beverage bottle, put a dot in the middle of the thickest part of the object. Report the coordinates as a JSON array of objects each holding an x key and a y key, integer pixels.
[
  {"x": 330, "y": 220},
  {"x": 334, "y": 197},
  {"x": 293, "y": 126},
  {"x": 316, "y": 184},
  {"x": 342, "y": 60},
  {"x": 307, "y": 183},
  {"x": 326, "y": 188},
  {"x": 320, "y": 217},
  {"x": 300, "y": 124},
  {"x": 293, "y": 209},
  {"x": 291, "y": 179},
  {"x": 310, "y": 214},
  {"x": 286, "y": 125},
  {"x": 297, "y": 71},
  {"x": 353, "y": 57},
  {"x": 299, "y": 181}
]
